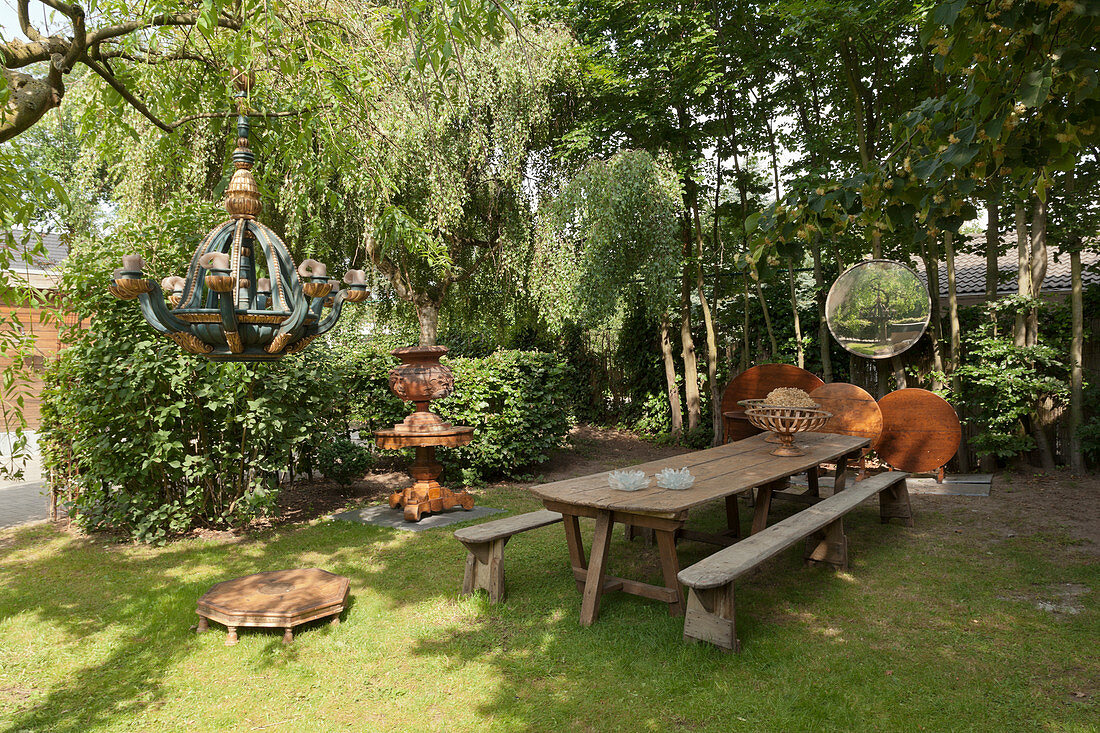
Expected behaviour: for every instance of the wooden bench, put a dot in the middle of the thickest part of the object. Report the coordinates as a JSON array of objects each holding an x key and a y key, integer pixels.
[
  {"x": 710, "y": 610},
  {"x": 485, "y": 562}
]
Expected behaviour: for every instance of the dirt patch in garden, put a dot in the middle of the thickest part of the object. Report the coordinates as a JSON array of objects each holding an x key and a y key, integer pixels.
[
  {"x": 1058, "y": 505},
  {"x": 591, "y": 450}
]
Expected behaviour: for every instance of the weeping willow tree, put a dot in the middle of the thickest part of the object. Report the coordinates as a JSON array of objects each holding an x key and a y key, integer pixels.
[
  {"x": 610, "y": 237},
  {"x": 453, "y": 199}
]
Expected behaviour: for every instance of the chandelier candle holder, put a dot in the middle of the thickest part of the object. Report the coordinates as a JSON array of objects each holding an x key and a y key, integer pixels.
[
  {"x": 419, "y": 379},
  {"x": 243, "y": 298}
]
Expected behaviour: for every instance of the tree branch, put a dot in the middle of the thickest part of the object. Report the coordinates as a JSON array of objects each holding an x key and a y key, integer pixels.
[
  {"x": 165, "y": 19},
  {"x": 25, "y": 23},
  {"x": 248, "y": 113},
  {"x": 148, "y": 57},
  {"x": 124, "y": 92}
]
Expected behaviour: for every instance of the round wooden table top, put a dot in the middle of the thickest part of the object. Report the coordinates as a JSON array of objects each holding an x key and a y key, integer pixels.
[
  {"x": 761, "y": 379},
  {"x": 920, "y": 430},
  {"x": 451, "y": 437},
  {"x": 855, "y": 411}
]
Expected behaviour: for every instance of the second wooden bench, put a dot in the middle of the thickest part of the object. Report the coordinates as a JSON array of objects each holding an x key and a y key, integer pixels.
[
  {"x": 485, "y": 562},
  {"x": 710, "y": 608}
]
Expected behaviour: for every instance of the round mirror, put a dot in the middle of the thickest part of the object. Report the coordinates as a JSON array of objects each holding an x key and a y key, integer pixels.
[{"x": 878, "y": 309}]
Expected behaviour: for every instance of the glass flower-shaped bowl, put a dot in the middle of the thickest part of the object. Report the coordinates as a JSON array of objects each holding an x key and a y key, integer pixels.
[
  {"x": 676, "y": 479},
  {"x": 627, "y": 480}
]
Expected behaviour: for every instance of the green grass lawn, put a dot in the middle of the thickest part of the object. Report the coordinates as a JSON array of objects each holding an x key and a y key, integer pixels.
[{"x": 933, "y": 628}]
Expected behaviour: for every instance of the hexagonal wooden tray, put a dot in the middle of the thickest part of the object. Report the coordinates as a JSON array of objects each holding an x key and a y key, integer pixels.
[{"x": 274, "y": 599}]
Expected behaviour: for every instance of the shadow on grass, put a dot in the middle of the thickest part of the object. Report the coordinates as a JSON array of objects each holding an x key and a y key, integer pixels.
[
  {"x": 857, "y": 650},
  {"x": 554, "y": 674},
  {"x": 134, "y": 607}
]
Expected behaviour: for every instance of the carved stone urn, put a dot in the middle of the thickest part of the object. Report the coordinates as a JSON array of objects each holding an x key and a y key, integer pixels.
[{"x": 419, "y": 379}]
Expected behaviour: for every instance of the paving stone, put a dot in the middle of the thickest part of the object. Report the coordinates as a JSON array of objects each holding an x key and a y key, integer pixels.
[
  {"x": 383, "y": 516},
  {"x": 21, "y": 503}
]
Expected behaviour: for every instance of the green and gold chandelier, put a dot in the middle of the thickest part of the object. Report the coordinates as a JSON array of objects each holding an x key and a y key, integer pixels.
[{"x": 243, "y": 298}]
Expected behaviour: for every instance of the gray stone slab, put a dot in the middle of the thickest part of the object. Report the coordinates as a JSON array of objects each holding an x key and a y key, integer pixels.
[
  {"x": 947, "y": 488},
  {"x": 383, "y": 516},
  {"x": 22, "y": 503},
  {"x": 958, "y": 485}
]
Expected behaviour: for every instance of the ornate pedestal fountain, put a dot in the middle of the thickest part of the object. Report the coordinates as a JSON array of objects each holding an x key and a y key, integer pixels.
[{"x": 419, "y": 379}]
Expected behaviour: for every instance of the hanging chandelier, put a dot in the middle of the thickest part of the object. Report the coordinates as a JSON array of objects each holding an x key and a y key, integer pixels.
[{"x": 243, "y": 298}]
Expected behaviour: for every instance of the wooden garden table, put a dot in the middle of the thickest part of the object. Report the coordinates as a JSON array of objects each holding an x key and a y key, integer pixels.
[{"x": 720, "y": 473}]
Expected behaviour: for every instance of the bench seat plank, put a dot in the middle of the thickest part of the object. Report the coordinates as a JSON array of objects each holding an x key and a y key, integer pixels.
[
  {"x": 506, "y": 527},
  {"x": 728, "y": 564}
]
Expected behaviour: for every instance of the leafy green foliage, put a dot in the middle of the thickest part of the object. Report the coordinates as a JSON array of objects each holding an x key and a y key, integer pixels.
[
  {"x": 1001, "y": 383},
  {"x": 1089, "y": 432},
  {"x": 610, "y": 235},
  {"x": 342, "y": 459},
  {"x": 517, "y": 404}
]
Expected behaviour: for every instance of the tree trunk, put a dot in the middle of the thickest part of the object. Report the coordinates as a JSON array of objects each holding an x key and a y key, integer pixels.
[
  {"x": 1038, "y": 265},
  {"x": 670, "y": 379},
  {"x": 767, "y": 316},
  {"x": 900, "y": 380},
  {"x": 799, "y": 355},
  {"x": 992, "y": 247},
  {"x": 1023, "y": 273},
  {"x": 932, "y": 267},
  {"x": 956, "y": 335},
  {"x": 1076, "y": 375},
  {"x": 691, "y": 369},
  {"x": 745, "y": 322},
  {"x": 712, "y": 336},
  {"x": 992, "y": 276},
  {"x": 427, "y": 313},
  {"x": 822, "y": 324},
  {"x": 1037, "y": 272}
]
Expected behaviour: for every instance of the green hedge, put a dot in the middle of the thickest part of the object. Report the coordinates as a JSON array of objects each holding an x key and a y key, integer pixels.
[
  {"x": 153, "y": 442},
  {"x": 517, "y": 403}
]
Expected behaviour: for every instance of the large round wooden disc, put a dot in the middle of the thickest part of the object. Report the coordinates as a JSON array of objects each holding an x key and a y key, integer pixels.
[
  {"x": 920, "y": 430},
  {"x": 757, "y": 382},
  {"x": 855, "y": 411}
]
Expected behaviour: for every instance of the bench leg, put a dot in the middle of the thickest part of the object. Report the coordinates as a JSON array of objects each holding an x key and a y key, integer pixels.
[
  {"x": 710, "y": 618},
  {"x": 829, "y": 545},
  {"x": 894, "y": 503},
  {"x": 485, "y": 569}
]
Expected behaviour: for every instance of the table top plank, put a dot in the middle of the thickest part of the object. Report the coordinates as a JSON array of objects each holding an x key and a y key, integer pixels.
[{"x": 722, "y": 471}]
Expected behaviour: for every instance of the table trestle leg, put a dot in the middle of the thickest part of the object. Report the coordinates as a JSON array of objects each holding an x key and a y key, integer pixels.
[
  {"x": 812, "y": 481},
  {"x": 576, "y": 547},
  {"x": 646, "y": 533},
  {"x": 764, "y": 504},
  {"x": 593, "y": 586},
  {"x": 670, "y": 568},
  {"x": 733, "y": 517}
]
